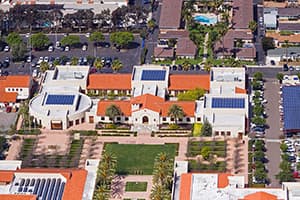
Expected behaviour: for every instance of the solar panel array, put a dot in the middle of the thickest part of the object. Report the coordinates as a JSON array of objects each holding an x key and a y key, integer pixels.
[
  {"x": 291, "y": 107},
  {"x": 228, "y": 103},
  {"x": 45, "y": 189},
  {"x": 60, "y": 99},
  {"x": 153, "y": 75}
]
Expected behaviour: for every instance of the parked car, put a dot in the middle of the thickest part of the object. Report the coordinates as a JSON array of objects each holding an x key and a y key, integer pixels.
[
  {"x": 272, "y": 62},
  {"x": 41, "y": 59},
  {"x": 285, "y": 67},
  {"x": 50, "y": 48},
  {"x": 84, "y": 47},
  {"x": 46, "y": 59},
  {"x": 57, "y": 44},
  {"x": 29, "y": 59},
  {"x": 6, "y": 49},
  {"x": 291, "y": 68},
  {"x": 67, "y": 48}
]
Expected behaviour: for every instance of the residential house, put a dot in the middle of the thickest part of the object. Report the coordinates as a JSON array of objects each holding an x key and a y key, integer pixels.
[
  {"x": 170, "y": 16},
  {"x": 186, "y": 48},
  {"x": 282, "y": 55}
]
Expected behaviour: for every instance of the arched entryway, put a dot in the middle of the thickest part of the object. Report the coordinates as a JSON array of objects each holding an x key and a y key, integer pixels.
[{"x": 145, "y": 120}]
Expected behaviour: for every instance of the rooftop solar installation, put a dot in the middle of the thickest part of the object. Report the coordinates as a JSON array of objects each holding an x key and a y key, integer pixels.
[
  {"x": 153, "y": 75},
  {"x": 60, "y": 99},
  {"x": 291, "y": 107},
  {"x": 228, "y": 103},
  {"x": 45, "y": 189}
]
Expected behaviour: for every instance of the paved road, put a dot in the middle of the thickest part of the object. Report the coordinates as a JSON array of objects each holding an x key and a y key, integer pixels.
[
  {"x": 260, "y": 32},
  {"x": 273, "y": 120}
]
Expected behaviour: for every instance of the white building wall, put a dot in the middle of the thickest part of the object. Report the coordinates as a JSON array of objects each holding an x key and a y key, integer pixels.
[
  {"x": 23, "y": 93},
  {"x": 153, "y": 117}
]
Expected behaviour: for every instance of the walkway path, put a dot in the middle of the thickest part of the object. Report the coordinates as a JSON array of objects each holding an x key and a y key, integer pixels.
[
  {"x": 205, "y": 47},
  {"x": 14, "y": 149}
]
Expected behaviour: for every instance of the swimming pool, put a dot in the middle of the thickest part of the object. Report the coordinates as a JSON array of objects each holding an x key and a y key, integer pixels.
[{"x": 206, "y": 20}]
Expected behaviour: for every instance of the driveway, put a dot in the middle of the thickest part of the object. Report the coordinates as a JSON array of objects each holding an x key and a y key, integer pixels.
[{"x": 273, "y": 133}]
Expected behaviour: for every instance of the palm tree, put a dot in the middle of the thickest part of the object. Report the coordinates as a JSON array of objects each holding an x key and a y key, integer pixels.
[
  {"x": 116, "y": 65},
  {"x": 158, "y": 192},
  {"x": 286, "y": 46},
  {"x": 98, "y": 64},
  {"x": 44, "y": 66},
  {"x": 252, "y": 25},
  {"x": 101, "y": 193},
  {"x": 163, "y": 170},
  {"x": 175, "y": 112},
  {"x": 112, "y": 111},
  {"x": 186, "y": 65},
  {"x": 74, "y": 61},
  {"x": 151, "y": 25}
]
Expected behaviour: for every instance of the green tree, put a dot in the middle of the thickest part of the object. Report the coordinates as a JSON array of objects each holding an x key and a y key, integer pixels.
[
  {"x": 74, "y": 61},
  {"x": 112, "y": 112},
  {"x": 44, "y": 66},
  {"x": 206, "y": 152},
  {"x": 260, "y": 174},
  {"x": 70, "y": 40},
  {"x": 252, "y": 25},
  {"x": 283, "y": 147},
  {"x": 206, "y": 129},
  {"x": 151, "y": 24},
  {"x": 268, "y": 43},
  {"x": 279, "y": 76},
  {"x": 191, "y": 95},
  {"x": 98, "y": 64},
  {"x": 121, "y": 39},
  {"x": 258, "y": 120},
  {"x": 176, "y": 112},
  {"x": 172, "y": 42},
  {"x": 258, "y": 110},
  {"x": 96, "y": 37},
  {"x": 13, "y": 38},
  {"x": 116, "y": 65},
  {"x": 39, "y": 41},
  {"x": 259, "y": 155},
  {"x": 18, "y": 51},
  {"x": 258, "y": 76}
]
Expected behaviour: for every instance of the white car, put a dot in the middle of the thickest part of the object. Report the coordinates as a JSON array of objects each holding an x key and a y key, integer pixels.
[
  {"x": 297, "y": 143},
  {"x": 41, "y": 59},
  {"x": 84, "y": 47},
  {"x": 6, "y": 49},
  {"x": 57, "y": 44},
  {"x": 67, "y": 48},
  {"x": 87, "y": 35},
  {"x": 46, "y": 59},
  {"x": 50, "y": 48}
]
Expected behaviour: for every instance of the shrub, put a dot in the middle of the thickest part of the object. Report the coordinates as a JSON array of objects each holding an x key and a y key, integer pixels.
[{"x": 174, "y": 127}]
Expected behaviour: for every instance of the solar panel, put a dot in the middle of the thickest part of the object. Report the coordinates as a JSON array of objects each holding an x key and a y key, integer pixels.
[
  {"x": 42, "y": 187},
  {"x": 25, "y": 189},
  {"x": 60, "y": 99},
  {"x": 291, "y": 107},
  {"x": 44, "y": 194},
  {"x": 22, "y": 182},
  {"x": 35, "y": 190},
  {"x": 57, "y": 186},
  {"x": 27, "y": 182},
  {"x": 153, "y": 75},
  {"x": 32, "y": 182},
  {"x": 20, "y": 189},
  {"x": 228, "y": 103},
  {"x": 61, "y": 191}
]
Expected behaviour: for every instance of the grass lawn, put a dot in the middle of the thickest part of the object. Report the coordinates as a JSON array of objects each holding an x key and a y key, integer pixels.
[
  {"x": 191, "y": 61},
  {"x": 138, "y": 158},
  {"x": 197, "y": 129},
  {"x": 195, "y": 166},
  {"x": 136, "y": 186},
  {"x": 217, "y": 147}
]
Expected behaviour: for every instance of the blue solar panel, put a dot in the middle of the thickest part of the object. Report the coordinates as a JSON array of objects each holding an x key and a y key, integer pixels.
[
  {"x": 153, "y": 75},
  {"x": 291, "y": 107},
  {"x": 61, "y": 191},
  {"x": 60, "y": 99},
  {"x": 228, "y": 103}
]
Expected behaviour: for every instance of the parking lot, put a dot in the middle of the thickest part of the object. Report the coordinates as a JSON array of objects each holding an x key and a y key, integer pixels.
[
  {"x": 7, "y": 120},
  {"x": 128, "y": 57}
]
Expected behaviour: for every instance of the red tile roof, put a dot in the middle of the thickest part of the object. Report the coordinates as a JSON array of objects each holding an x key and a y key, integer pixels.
[
  {"x": 185, "y": 186},
  {"x": 148, "y": 101},
  {"x": 125, "y": 107},
  {"x": 17, "y": 197},
  {"x": 18, "y": 81},
  {"x": 223, "y": 180},
  {"x": 189, "y": 82},
  {"x": 260, "y": 196},
  {"x": 240, "y": 90},
  {"x": 73, "y": 189},
  {"x": 109, "y": 81}
]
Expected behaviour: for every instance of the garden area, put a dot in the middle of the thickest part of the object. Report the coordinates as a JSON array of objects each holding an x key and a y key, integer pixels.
[
  {"x": 138, "y": 158},
  {"x": 30, "y": 159},
  {"x": 207, "y": 155},
  {"x": 136, "y": 186}
]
